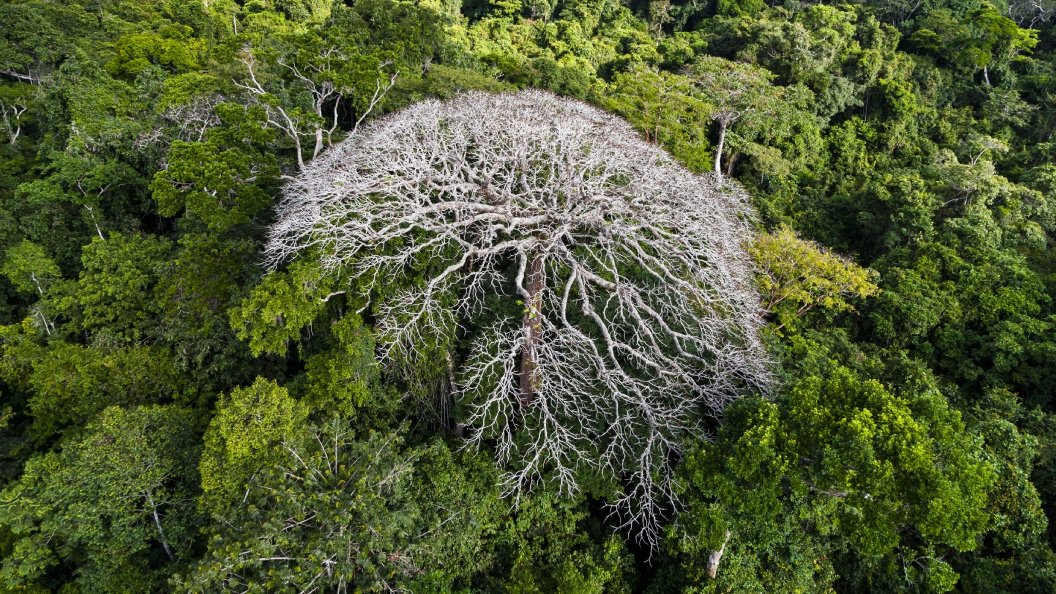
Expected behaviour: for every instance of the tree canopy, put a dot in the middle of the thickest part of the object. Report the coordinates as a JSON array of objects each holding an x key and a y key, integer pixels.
[{"x": 731, "y": 296}]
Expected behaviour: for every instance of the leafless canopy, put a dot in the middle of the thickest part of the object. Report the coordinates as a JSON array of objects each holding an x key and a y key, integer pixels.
[{"x": 606, "y": 288}]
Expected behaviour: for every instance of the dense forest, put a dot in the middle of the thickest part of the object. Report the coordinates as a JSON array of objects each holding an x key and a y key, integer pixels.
[{"x": 211, "y": 383}]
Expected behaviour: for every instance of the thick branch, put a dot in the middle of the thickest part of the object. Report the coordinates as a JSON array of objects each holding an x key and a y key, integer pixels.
[
  {"x": 715, "y": 557},
  {"x": 533, "y": 330}
]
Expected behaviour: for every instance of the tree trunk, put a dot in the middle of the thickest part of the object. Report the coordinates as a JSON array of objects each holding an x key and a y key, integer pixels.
[
  {"x": 718, "y": 148},
  {"x": 44, "y": 319},
  {"x": 318, "y": 142},
  {"x": 730, "y": 163},
  {"x": 715, "y": 556},
  {"x": 533, "y": 331},
  {"x": 161, "y": 531},
  {"x": 98, "y": 230}
]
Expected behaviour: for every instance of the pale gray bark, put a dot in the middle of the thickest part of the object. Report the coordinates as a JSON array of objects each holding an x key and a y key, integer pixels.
[
  {"x": 313, "y": 78},
  {"x": 719, "y": 146},
  {"x": 161, "y": 531},
  {"x": 715, "y": 557}
]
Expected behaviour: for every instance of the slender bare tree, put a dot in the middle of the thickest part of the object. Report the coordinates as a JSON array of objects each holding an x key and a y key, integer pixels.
[{"x": 607, "y": 288}]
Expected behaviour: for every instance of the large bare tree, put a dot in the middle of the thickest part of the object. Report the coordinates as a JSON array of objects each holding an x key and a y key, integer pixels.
[{"x": 606, "y": 289}]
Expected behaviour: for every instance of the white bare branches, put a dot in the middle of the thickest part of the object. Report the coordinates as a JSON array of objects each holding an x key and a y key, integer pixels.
[
  {"x": 30, "y": 77},
  {"x": 1031, "y": 13},
  {"x": 11, "y": 116},
  {"x": 318, "y": 79},
  {"x": 607, "y": 287}
]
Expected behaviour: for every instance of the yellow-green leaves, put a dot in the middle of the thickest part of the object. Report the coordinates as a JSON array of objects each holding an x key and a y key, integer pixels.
[
  {"x": 29, "y": 268},
  {"x": 796, "y": 276},
  {"x": 243, "y": 438},
  {"x": 171, "y": 48}
]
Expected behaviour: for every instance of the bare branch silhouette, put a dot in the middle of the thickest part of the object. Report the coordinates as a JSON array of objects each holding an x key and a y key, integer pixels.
[{"x": 629, "y": 316}]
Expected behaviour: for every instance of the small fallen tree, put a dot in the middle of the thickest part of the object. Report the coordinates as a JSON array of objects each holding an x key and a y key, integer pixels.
[{"x": 607, "y": 289}]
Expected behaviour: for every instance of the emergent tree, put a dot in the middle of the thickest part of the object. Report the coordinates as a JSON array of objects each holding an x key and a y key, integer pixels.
[{"x": 607, "y": 290}]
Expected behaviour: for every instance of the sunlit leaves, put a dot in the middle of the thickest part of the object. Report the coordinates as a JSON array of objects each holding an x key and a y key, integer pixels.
[{"x": 797, "y": 276}]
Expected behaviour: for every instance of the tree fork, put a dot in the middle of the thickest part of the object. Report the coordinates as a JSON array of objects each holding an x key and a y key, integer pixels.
[{"x": 533, "y": 331}]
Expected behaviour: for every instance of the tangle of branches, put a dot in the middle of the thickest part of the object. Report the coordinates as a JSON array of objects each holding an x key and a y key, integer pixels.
[{"x": 607, "y": 290}]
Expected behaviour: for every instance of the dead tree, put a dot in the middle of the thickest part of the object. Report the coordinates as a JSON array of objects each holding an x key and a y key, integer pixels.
[{"x": 635, "y": 315}]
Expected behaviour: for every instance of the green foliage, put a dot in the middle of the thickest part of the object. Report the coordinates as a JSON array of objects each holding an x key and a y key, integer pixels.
[
  {"x": 344, "y": 380},
  {"x": 344, "y": 513},
  {"x": 1018, "y": 522},
  {"x": 220, "y": 180},
  {"x": 112, "y": 300},
  {"x": 836, "y": 464},
  {"x": 244, "y": 439},
  {"x": 445, "y": 82},
  {"x": 755, "y": 118},
  {"x": 196, "y": 289},
  {"x": 280, "y": 307},
  {"x": 550, "y": 546},
  {"x": 665, "y": 109},
  {"x": 72, "y": 384},
  {"x": 909, "y": 448},
  {"x": 796, "y": 276},
  {"x": 110, "y": 510},
  {"x": 171, "y": 48},
  {"x": 29, "y": 268},
  {"x": 982, "y": 39}
]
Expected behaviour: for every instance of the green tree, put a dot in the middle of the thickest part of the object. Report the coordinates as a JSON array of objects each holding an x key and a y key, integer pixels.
[
  {"x": 222, "y": 180},
  {"x": 207, "y": 277},
  {"x": 863, "y": 472},
  {"x": 981, "y": 41},
  {"x": 30, "y": 270},
  {"x": 171, "y": 48},
  {"x": 278, "y": 309},
  {"x": 550, "y": 544},
  {"x": 796, "y": 276},
  {"x": 665, "y": 109},
  {"x": 343, "y": 513},
  {"x": 244, "y": 439},
  {"x": 112, "y": 511},
  {"x": 753, "y": 116},
  {"x": 71, "y": 384},
  {"x": 344, "y": 380},
  {"x": 112, "y": 300}
]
